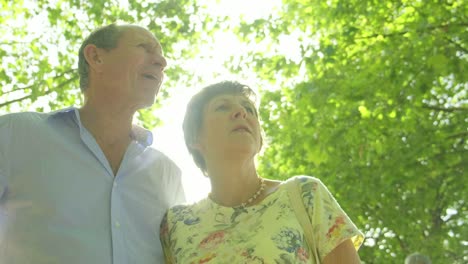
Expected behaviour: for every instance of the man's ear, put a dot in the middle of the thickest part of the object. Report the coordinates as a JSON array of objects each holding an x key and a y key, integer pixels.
[{"x": 92, "y": 55}]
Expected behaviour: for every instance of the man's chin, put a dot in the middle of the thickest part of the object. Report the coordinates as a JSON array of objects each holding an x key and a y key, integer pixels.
[
  {"x": 147, "y": 104},
  {"x": 147, "y": 97}
]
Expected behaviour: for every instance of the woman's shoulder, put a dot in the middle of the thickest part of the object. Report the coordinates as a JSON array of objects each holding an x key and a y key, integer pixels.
[
  {"x": 184, "y": 210},
  {"x": 180, "y": 207},
  {"x": 186, "y": 206},
  {"x": 305, "y": 179},
  {"x": 308, "y": 185}
]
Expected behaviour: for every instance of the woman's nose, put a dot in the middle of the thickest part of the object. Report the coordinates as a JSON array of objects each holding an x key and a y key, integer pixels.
[{"x": 239, "y": 112}]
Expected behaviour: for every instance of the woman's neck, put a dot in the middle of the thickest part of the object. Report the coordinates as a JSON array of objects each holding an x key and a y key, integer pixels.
[{"x": 233, "y": 183}]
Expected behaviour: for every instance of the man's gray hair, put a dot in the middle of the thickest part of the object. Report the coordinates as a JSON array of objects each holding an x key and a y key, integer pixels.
[{"x": 107, "y": 38}]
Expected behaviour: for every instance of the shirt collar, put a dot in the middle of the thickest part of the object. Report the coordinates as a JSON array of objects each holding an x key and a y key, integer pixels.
[
  {"x": 142, "y": 135},
  {"x": 138, "y": 133}
]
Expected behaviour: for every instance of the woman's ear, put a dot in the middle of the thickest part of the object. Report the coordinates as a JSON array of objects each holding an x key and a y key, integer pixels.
[
  {"x": 195, "y": 146},
  {"x": 198, "y": 146}
]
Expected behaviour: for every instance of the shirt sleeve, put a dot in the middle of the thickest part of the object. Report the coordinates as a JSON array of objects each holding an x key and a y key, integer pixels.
[
  {"x": 179, "y": 194},
  {"x": 171, "y": 181},
  {"x": 5, "y": 132},
  {"x": 330, "y": 224}
]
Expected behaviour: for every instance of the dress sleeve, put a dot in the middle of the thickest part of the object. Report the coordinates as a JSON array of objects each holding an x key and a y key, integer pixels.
[
  {"x": 330, "y": 224},
  {"x": 164, "y": 237}
]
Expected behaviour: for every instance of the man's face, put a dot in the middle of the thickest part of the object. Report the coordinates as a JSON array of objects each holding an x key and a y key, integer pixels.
[{"x": 134, "y": 70}]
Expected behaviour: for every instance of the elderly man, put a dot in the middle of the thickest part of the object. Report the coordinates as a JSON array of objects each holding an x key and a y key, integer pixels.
[{"x": 83, "y": 185}]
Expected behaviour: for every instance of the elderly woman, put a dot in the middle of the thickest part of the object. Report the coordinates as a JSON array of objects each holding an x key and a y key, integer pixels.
[{"x": 247, "y": 218}]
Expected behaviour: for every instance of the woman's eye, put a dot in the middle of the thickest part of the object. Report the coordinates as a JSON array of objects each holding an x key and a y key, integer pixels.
[
  {"x": 249, "y": 109},
  {"x": 221, "y": 107}
]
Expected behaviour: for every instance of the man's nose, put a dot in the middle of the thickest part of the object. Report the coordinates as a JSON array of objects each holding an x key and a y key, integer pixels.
[{"x": 159, "y": 61}]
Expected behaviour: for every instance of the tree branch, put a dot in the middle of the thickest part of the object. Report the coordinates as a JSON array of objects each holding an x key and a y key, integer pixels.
[
  {"x": 15, "y": 42},
  {"x": 445, "y": 109},
  {"x": 439, "y": 204},
  {"x": 401, "y": 242},
  {"x": 45, "y": 93},
  {"x": 461, "y": 134},
  {"x": 429, "y": 28},
  {"x": 458, "y": 45},
  {"x": 23, "y": 98},
  {"x": 23, "y": 88},
  {"x": 32, "y": 85}
]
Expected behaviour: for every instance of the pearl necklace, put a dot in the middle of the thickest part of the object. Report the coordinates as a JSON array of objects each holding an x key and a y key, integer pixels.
[
  {"x": 259, "y": 191},
  {"x": 254, "y": 196}
]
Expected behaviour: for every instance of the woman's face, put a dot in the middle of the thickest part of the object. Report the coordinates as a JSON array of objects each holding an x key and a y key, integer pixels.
[{"x": 230, "y": 125}]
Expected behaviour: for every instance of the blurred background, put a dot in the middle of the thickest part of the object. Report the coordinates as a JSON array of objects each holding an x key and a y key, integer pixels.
[{"x": 369, "y": 96}]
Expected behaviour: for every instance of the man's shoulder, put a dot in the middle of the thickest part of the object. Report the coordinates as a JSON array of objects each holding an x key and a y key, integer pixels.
[
  {"x": 32, "y": 115},
  {"x": 28, "y": 120},
  {"x": 23, "y": 117},
  {"x": 151, "y": 150},
  {"x": 160, "y": 160}
]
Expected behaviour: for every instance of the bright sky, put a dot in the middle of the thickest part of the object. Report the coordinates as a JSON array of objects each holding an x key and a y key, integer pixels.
[{"x": 169, "y": 137}]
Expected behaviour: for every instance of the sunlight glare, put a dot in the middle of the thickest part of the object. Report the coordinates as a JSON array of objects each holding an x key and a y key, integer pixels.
[{"x": 208, "y": 66}]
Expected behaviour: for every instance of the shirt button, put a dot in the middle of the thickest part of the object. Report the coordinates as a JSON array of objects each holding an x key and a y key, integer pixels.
[{"x": 117, "y": 224}]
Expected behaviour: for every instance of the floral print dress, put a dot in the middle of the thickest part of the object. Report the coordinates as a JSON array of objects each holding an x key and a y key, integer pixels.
[{"x": 268, "y": 232}]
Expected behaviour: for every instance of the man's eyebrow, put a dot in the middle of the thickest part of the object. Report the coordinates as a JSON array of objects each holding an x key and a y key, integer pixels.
[
  {"x": 148, "y": 43},
  {"x": 146, "y": 40}
]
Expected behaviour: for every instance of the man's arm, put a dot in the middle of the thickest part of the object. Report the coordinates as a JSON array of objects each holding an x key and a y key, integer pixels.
[{"x": 4, "y": 141}]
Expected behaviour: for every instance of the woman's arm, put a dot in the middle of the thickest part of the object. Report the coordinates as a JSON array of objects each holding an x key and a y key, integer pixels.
[
  {"x": 164, "y": 237},
  {"x": 344, "y": 253}
]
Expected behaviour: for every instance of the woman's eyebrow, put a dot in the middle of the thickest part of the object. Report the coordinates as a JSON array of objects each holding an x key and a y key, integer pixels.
[
  {"x": 220, "y": 99},
  {"x": 248, "y": 102},
  {"x": 223, "y": 100}
]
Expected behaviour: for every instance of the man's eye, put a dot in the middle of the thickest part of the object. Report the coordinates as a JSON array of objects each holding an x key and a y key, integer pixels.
[{"x": 146, "y": 47}]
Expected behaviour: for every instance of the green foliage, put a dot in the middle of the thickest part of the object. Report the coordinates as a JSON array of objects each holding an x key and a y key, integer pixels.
[
  {"x": 376, "y": 106},
  {"x": 370, "y": 96},
  {"x": 38, "y": 69}
]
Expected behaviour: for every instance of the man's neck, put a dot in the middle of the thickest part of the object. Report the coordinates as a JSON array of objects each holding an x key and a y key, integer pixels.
[{"x": 107, "y": 125}]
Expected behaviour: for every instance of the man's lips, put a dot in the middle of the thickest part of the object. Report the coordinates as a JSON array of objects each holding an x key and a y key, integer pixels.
[{"x": 151, "y": 76}]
